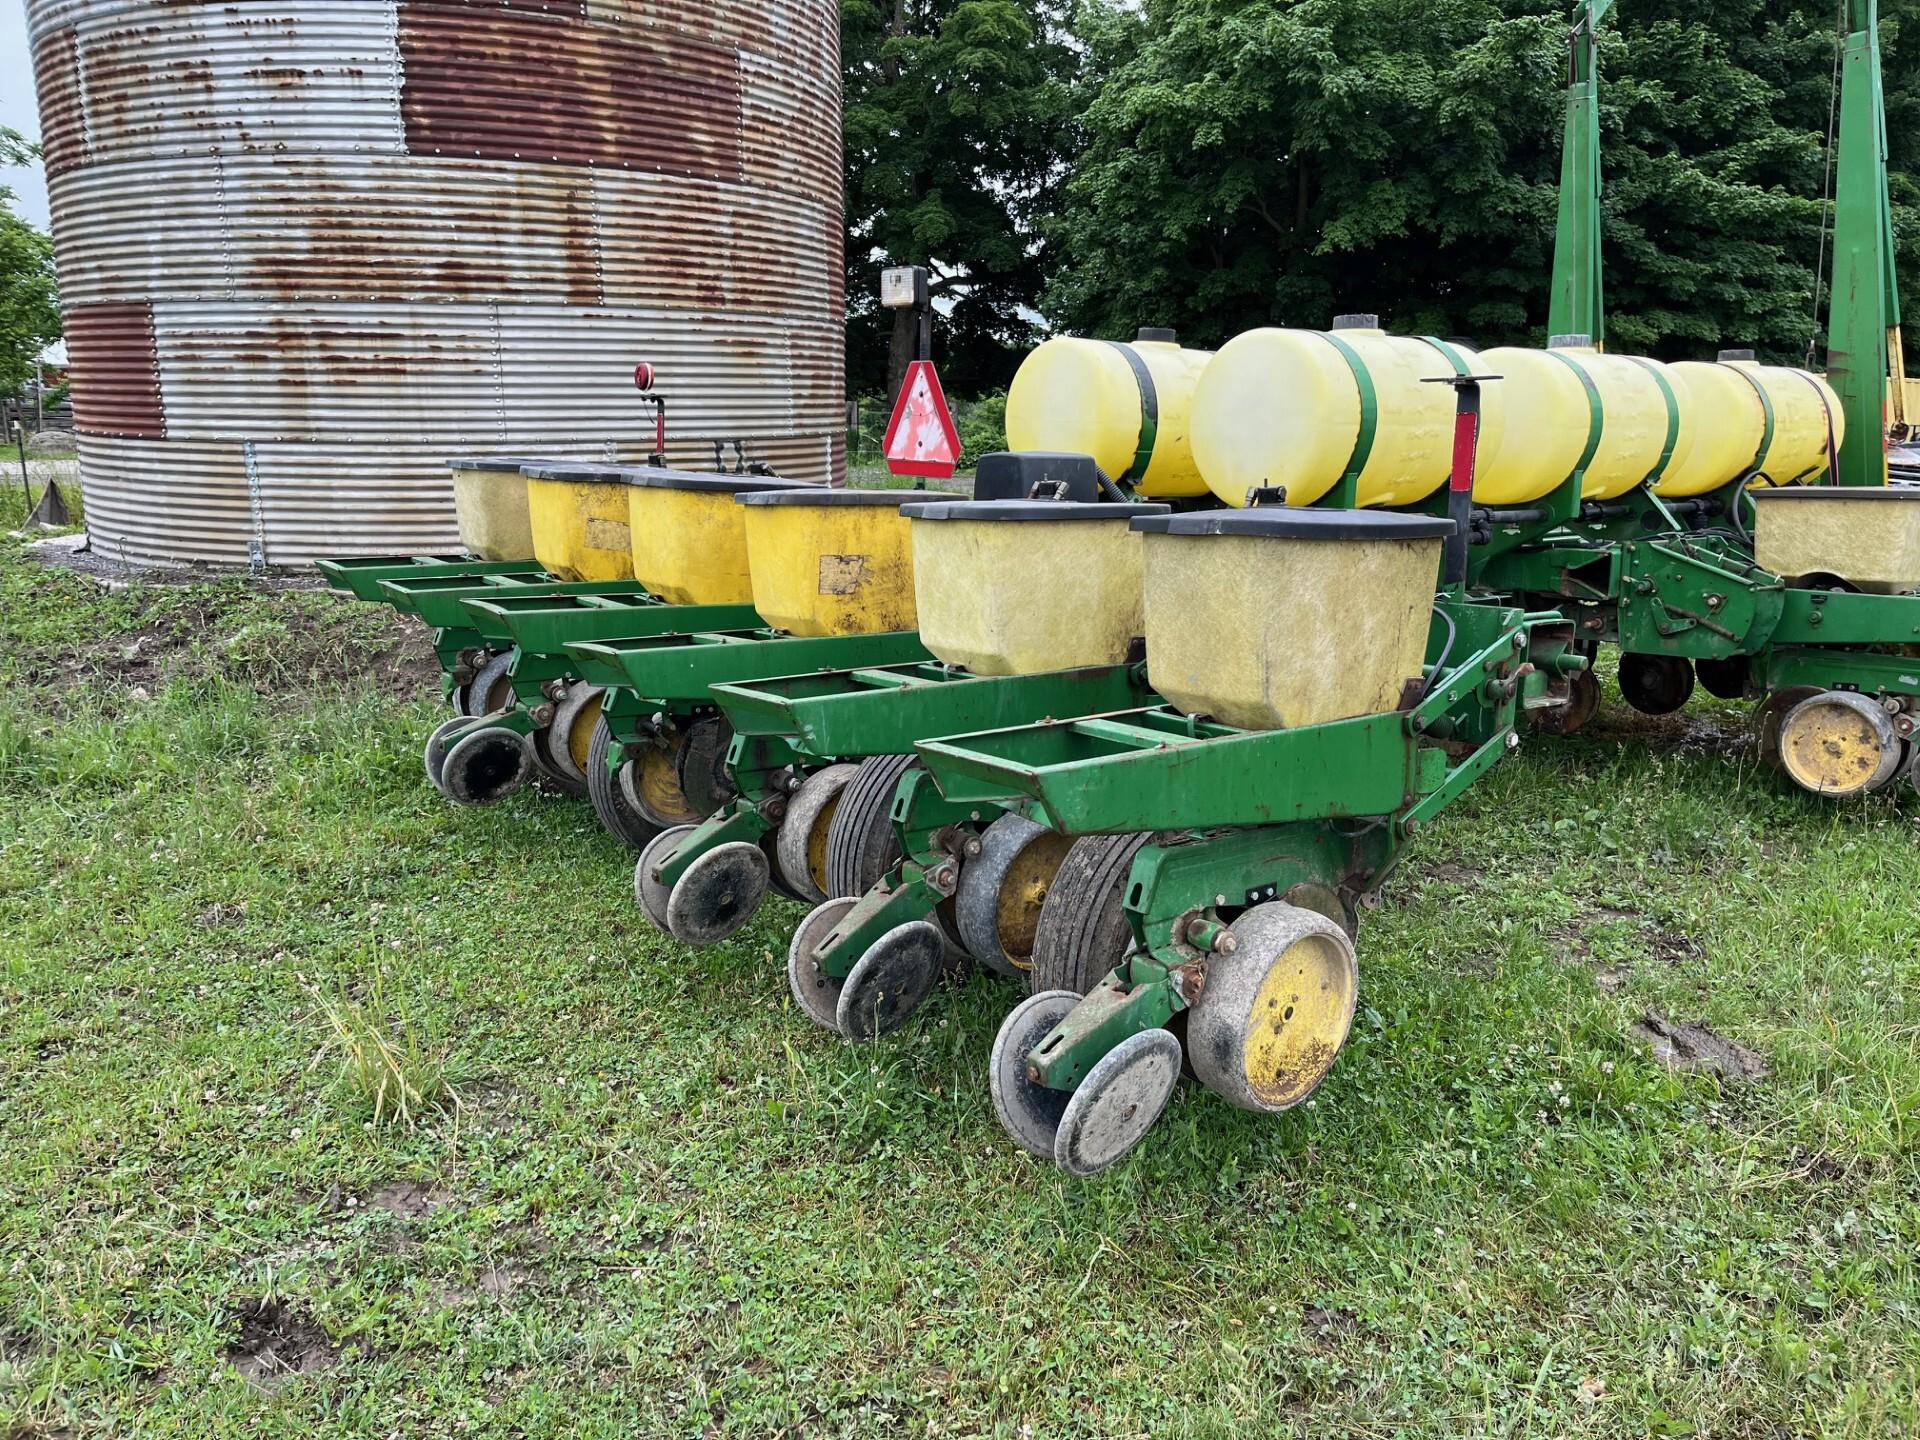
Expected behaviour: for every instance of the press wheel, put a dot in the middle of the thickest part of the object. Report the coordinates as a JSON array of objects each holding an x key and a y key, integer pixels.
[
  {"x": 1028, "y": 1112},
  {"x": 486, "y": 766},
  {"x": 1003, "y": 890},
  {"x": 1583, "y": 703},
  {"x": 718, "y": 893},
  {"x": 800, "y": 844},
  {"x": 616, "y": 813},
  {"x": 434, "y": 757},
  {"x": 862, "y": 845},
  {"x": 1839, "y": 744},
  {"x": 891, "y": 981},
  {"x": 814, "y": 991},
  {"x": 1655, "y": 684},
  {"x": 1768, "y": 715},
  {"x": 1110, "y": 1112},
  {"x": 1083, "y": 931},
  {"x": 650, "y": 783},
  {"x": 648, "y": 893},
  {"x": 570, "y": 737},
  {"x": 491, "y": 689},
  {"x": 1275, "y": 1011}
]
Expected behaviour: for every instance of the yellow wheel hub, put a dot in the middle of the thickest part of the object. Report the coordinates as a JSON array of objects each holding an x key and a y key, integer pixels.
[
  {"x": 1301, "y": 1014},
  {"x": 580, "y": 737},
  {"x": 1022, "y": 894},
  {"x": 817, "y": 844},
  {"x": 657, "y": 782},
  {"x": 1839, "y": 744}
]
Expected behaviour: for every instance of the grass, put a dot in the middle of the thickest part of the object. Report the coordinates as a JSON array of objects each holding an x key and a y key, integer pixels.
[{"x": 666, "y": 1206}]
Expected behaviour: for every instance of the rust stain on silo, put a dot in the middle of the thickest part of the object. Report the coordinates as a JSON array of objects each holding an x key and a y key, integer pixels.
[
  {"x": 503, "y": 84},
  {"x": 116, "y": 376},
  {"x": 63, "y": 123}
]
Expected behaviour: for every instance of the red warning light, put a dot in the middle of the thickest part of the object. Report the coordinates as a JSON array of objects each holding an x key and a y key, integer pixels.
[{"x": 643, "y": 376}]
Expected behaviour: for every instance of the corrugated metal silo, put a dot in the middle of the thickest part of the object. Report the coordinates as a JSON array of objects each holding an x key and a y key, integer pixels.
[{"x": 309, "y": 249}]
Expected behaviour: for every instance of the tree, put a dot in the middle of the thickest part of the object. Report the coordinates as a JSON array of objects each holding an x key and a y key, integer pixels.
[
  {"x": 954, "y": 116},
  {"x": 1249, "y": 162},
  {"x": 29, "y": 297}
]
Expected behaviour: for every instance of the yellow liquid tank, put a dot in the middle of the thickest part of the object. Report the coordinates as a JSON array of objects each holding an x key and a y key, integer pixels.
[
  {"x": 689, "y": 538},
  {"x": 1547, "y": 419},
  {"x": 578, "y": 516},
  {"x": 1091, "y": 397},
  {"x": 1730, "y": 400},
  {"x": 830, "y": 562}
]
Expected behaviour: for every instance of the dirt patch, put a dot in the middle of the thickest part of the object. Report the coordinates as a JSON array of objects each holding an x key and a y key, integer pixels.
[
  {"x": 408, "y": 1199},
  {"x": 278, "y": 1341},
  {"x": 215, "y": 917},
  {"x": 1652, "y": 940},
  {"x": 1695, "y": 1047}
]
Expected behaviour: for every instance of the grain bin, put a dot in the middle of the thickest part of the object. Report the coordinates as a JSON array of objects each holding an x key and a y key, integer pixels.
[{"x": 310, "y": 250}]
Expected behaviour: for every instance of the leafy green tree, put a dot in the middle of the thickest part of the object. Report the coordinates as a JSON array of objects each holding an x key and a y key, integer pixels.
[
  {"x": 29, "y": 298},
  {"x": 1249, "y": 162},
  {"x": 954, "y": 120}
]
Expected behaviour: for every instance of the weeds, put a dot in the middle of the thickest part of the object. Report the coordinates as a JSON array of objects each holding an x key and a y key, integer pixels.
[{"x": 381, "y": 1056}]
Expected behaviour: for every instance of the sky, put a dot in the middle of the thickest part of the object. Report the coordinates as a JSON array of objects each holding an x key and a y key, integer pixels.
[{"x": 17, "y": 109}]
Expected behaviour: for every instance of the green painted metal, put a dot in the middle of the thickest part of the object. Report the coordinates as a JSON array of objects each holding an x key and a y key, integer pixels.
[
  {"x": 1864, "y": 303},
  {"x": 682, "y": 668},
  {"x": 360, "y": 576},
  {"x": 1345, "y": 493},
  {"x": 547, "y": 624},
  {"x": 440, "y": 600},
  {"x": 1575, "y": 305},
  {"x": 885, "y": 711}
]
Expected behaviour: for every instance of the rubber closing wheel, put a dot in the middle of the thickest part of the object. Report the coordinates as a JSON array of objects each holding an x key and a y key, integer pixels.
[
  {"x": 890, "y": 981},
  {"x": 1840, "y": 744},
  {"x": 486, "y": 767},
  {"x": 1003, "y": 890},
  {"x": 1724, "y": 678},
  {"x": 1276, "y": 1011},
  {"x": 1583, "y": 703},
  {"x": 1117, "y": 1103},
  {"x": 1028, "y": 1112},
  {"x": 492, "y": 688},
  {"x": 648, "y": 893},
  {"x": 550, "y": 769},
  {"x": 434, "y": 757},
  {"x": 861, "y": 843},
  {"x": 700, "y": 765},
  {"x": 617, "y": 815},
  {"x": 1083, "y": 931},
  {"x": 800, "y": 844},
  {"x": 814, "y": 991},
  {"x": 718, "y": 894},
  {"x": 1655, "y": 684}
]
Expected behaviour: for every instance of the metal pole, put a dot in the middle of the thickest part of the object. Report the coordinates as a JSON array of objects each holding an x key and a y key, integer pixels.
[
  {"x": 26, "y": 489},
  {"x": 1575, "y": 305}
]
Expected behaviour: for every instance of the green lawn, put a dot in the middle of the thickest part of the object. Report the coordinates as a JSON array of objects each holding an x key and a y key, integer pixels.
[{"x": 662, "y": 1204}]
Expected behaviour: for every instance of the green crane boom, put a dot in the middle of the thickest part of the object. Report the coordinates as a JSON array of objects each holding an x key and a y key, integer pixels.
[
  {"x": 1863, "y": 319},
  {"x": 1575, "y": 307}
]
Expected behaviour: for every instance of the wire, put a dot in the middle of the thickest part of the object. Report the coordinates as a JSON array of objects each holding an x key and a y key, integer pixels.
[
  {"x": 1826, "y": 180},
  {"x": 1446, "y": 653}
]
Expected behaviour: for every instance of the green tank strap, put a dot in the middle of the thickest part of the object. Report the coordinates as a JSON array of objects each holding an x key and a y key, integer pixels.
[
  {"x": 1673, "y": 417},
  {"x": 1820, "y": 392},
  {"x": 1149, "y": 412},
  {"x": 1766, "y": 409},
  {"x": 1369, "y": 405},
  {"x": 1596, "y": 412},
  {"x": 1452, "y": 355}
]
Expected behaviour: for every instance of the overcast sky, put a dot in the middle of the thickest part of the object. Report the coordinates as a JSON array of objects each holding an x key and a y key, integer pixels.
[{"x": 16, "y": 109}]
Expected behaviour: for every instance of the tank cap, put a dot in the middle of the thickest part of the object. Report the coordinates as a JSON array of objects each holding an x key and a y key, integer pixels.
[
  {"x": 1726, "y": 355},
  {"x": 1156, "y": 335},
  {"x": 1356, "y": 322},
  {"x": 1570, "y": 342}
]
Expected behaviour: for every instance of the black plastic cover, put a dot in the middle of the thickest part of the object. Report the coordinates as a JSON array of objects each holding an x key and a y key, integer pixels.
[
  {"x": 506, "y": 462},
  {"x": 1300, "y": 523},
  {"x": 575, "y": 472},
  {"x": 1834, "y": 492},
  {"x": 791, "y": 494},
  {"x": 1029, "y": 510},
  {"x": 651, "y": 477},
  {"x": 1012, "y": 474}
]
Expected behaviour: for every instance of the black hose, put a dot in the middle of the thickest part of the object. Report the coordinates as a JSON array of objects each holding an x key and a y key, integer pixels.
[{"x": 1446, "y": 653}]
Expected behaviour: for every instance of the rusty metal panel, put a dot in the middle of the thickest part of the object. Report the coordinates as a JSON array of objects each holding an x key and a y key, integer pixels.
[
  {"x": 321, "y": 245},
  {"x": 114, "y": 369}
]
